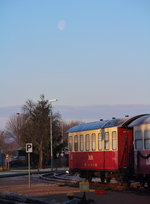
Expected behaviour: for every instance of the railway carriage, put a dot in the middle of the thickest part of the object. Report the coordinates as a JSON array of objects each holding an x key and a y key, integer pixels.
[
  {"x": 112, "y": 148},
  {"x": 141, "y": 132},
  {"x": 101, "y": 148}
]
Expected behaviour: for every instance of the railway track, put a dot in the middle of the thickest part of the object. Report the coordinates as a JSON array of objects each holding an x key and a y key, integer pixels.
[
  {"x": 60, "y": 178},
  {"x": 65, "y": 179}
]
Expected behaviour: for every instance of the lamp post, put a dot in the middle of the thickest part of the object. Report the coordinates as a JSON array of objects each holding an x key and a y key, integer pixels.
[
  {"x": 62, "y": 131},
  {"x": 51, "y": 132},
  {"x": 18, "y": 127}
]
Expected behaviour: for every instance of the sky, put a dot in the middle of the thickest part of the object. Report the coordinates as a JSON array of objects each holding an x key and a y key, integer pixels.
[{"x": 83, "y": 53}]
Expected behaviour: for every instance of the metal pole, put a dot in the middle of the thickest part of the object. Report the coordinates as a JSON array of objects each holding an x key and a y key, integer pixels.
[
  {"x": 18, "y": 136},
  {"x": 29, "y": 169},
  {"x": 51, "y": 141},
  {"x": 62, "y": 126},
  {"x": 51, "y": 135}
]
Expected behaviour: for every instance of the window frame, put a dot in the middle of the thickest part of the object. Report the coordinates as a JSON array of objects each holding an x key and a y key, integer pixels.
[
  {"x": 146, "y": 139},
  {"x": 106, "y": 142},
  {"x": 93, "y": 142},
  {"x": 114, "y": 147},
  {"x": 100, "y": 139},
  {"x": 70, "y": 143},
  {"x": 138, "y": 139},
  {"x": 81, "y": 143},
  {"x": 76, "y": 143},
  {"x": 87, "y": 142}
]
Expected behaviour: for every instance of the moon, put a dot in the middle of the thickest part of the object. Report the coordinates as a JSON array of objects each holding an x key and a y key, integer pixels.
[{"x": 61, "y": 25}]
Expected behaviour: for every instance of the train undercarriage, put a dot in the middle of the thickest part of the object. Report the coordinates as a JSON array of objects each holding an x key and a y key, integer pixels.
[{"x": 121, "y": 176}]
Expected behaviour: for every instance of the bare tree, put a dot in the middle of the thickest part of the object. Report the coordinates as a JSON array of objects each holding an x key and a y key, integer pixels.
[
  {"x": 33, "y": 126},
  {"x": 15, "y": 126},
  {"x": 67, "y": 126},
  {"x": 2, "y": 141},
  {"x": 7, "y": 144}
]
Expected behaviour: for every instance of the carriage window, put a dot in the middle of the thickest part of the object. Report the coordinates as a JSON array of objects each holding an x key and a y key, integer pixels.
[
  {"x": 100, "y": 141},
  {"x": 147, "y": 139},
  {"x": 93, "y": 142},
  {"x": 138, "y": 140},
  {"x": 76, "y": 143},
  {"x": 114, "y": 140},
  {"x": 106, "y": 141},
  {"x": 70, "y": 143},
  {"x": 81, "y": 143},
  {"x": 87, "y": 142}
]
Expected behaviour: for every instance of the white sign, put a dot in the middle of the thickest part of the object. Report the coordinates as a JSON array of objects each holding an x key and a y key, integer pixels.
[{"x": 29, "y": 148}]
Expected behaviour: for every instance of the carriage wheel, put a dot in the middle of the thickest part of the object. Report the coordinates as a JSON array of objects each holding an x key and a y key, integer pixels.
[{"x": 102, "y": 176}]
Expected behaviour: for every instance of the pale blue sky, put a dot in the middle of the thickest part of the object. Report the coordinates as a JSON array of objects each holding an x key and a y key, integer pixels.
[{"x": 82, "y": 52}]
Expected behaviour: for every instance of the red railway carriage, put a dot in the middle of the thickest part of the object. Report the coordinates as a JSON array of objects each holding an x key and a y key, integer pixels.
[
  {"x": 141, "y": 129},
  {"x": 101, "y": 148}
]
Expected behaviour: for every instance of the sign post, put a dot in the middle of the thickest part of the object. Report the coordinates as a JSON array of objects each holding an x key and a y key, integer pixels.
[
  {"x": 84, "y": 187},
  {"x": 29, "y": 150}
]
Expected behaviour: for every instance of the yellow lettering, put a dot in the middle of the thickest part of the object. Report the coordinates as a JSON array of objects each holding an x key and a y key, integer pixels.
[{"x": 90, "y": 157}]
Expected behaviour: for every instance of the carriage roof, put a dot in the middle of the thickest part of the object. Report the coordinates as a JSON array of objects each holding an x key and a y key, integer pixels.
[
  {"x": 87, "y": 126},
  {"x": 116, "y": 122},
  {"x": 98, "y": 125},
  {"x": 145, "y": 119}
]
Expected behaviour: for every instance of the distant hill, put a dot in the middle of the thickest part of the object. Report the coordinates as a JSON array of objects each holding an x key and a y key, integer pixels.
[
  {"x": 96, "y": 112},
  {"x": 82, "y": 113}
]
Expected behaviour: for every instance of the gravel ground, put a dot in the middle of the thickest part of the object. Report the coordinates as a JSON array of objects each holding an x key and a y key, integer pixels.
[{"x": 53, "y": 192}]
